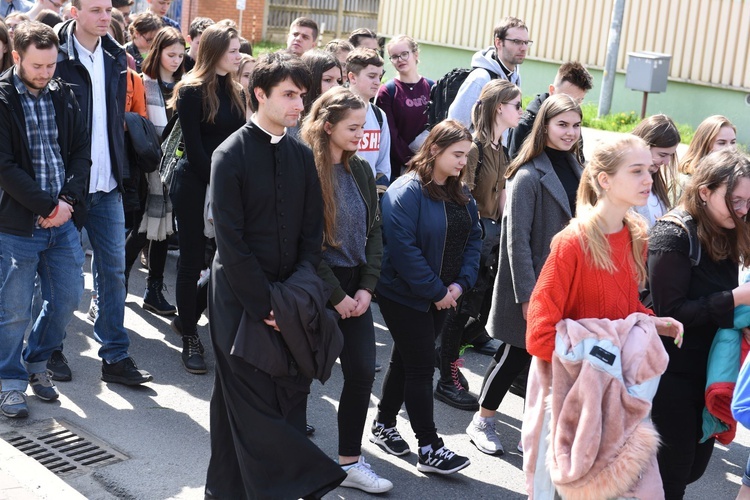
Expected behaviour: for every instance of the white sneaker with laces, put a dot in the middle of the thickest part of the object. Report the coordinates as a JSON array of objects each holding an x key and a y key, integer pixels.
[
  {"x": 361, "y": 476},
  {"x": 482, "y": 433}
]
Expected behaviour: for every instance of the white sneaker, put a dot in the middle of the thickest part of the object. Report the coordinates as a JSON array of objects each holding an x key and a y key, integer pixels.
[
  {"x": 520, "y": 447},
  {"x": 482, "y": 433},
  {"x": 361, "y": 476}
]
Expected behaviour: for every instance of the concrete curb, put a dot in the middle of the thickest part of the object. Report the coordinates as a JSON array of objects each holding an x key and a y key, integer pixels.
[{"x": 23, "y": 478}]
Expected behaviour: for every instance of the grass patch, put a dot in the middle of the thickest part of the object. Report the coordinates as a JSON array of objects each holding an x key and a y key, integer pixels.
[
  {"x": 619, "y": 122},
  {"x": 266, "y": 46}
]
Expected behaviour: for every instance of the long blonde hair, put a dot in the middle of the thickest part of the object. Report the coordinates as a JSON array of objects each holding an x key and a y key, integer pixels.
[
  {"x": 608, "y": 158},
  {"x": 534, "y": 144},
  {"x": 214, "y": 44},
  {"x": 331, "y": 107},
  {"x": 703, "y": 142}
]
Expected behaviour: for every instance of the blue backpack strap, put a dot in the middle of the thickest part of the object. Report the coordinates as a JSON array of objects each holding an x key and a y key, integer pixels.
[{"x": 390, "y": 87}]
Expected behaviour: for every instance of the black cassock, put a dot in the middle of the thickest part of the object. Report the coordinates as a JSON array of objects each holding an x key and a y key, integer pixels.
[{"x": 267, "y": 210}]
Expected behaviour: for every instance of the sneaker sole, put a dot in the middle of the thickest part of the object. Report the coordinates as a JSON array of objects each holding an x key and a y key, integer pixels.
[
  {"x": 154, "y": 310},
  {"x": 125, "y": 381},
  {"x": 20, "y": 414},
  {"x": 450, "y": 402},
  {"x": 195, "y": 371},
  {"x": 54, "y": 398},
  {"x": 428, "y": 468},
  {"x": 385, "y": 448},
  {"x": 366, "y": 489},
  {"x": 497, "y": 453},
  {"x": 59, "y": 378}
]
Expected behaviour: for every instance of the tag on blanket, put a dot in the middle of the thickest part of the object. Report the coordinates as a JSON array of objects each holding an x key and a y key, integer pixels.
[{"x": 603, "y": 355}]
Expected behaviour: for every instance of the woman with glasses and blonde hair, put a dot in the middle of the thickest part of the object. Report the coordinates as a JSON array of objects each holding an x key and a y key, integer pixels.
[
  {"x": 541, "y": 199},
  {"x": 702, "y": 296},
  {"x": 404, "y": 100},
  {"x": 498, "y": 109}
]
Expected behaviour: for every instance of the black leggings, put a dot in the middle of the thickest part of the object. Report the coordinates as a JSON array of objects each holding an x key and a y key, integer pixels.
[
  {"x": 677, "y": 413},
  {"x": 412, "y": 366},
  {"x": 509, "y": 361},
  {"x": 188, "y": 194},
  {"x": 358, "y": 366},
  {"x": 157, "y": 250},
  {"x": 459, "y": 329}
]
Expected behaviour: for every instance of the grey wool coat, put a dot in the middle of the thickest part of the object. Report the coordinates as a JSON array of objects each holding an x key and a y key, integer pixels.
[{"x": 536, "y": 209}]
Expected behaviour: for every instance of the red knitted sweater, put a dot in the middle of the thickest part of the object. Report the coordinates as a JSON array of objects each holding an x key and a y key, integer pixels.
[{"x": 570, "y": 287}]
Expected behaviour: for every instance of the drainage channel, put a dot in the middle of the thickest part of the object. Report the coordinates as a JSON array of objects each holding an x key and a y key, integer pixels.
[{"x": 62, "y": 447}]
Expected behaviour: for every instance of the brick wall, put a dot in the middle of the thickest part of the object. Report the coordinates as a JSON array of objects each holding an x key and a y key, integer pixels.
[{"x": 252, "y": 17}]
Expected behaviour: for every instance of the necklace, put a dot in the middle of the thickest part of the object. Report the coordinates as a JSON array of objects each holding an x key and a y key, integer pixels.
[{"x": 496, "y": 145}]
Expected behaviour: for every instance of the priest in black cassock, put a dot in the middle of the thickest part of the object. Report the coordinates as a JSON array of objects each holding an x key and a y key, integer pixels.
[{"x": 268, "y": 215}]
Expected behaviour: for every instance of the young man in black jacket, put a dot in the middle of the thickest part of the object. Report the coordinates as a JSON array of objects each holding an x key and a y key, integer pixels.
[
  {"x": 44, "y": 167},
  {"x": 268, "y": 211},
  {"x": 95, "y": 66}
]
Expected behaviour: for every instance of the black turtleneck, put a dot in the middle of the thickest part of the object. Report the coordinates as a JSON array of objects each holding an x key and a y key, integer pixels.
[
  {"x": 561, "y": 162},
  {"x": 201, "y": 137}
]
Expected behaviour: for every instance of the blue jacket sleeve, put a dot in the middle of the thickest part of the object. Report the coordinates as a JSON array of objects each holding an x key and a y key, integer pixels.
[{"x": 401, "y": 219}]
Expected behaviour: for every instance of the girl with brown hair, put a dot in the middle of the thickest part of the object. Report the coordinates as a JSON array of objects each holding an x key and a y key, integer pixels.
[
  {"x": 431, "y": 255},
  {"x": 352, "y": 252},
  {"x": 211, "y": 106},
  {"x": 714, "y": 133},
  {"x": 703, "y": 296}
]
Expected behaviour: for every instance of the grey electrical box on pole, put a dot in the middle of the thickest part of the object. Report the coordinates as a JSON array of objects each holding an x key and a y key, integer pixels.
[
  {"x": 647, "y": 72},
  {"x": 610, "y": 64}
]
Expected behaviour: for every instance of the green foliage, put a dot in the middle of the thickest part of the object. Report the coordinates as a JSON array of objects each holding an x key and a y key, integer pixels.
[
  {"x": 266, "y": 46},
  {"x": 618, "y": 122}
]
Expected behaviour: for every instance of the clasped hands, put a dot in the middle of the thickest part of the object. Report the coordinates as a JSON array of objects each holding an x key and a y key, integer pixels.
[{"x": 59, "y": 216}]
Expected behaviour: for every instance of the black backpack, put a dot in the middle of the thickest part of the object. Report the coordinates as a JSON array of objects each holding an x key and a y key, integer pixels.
[{"x": 443, "y": 93}]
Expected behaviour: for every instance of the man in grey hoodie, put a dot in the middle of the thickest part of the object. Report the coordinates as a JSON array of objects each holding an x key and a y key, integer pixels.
[{"x": 501, "y": 60}]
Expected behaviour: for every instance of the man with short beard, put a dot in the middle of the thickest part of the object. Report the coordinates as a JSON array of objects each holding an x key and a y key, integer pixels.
[{"x": 44, "y": 166}]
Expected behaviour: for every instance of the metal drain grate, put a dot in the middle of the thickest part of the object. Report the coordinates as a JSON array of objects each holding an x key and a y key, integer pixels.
[{"x": 63, "y": 448}]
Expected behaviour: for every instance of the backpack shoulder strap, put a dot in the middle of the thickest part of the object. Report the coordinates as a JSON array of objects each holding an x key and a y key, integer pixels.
[
  {"x": 683, "y": 219},
  {"x": 480, "y": 158},
  {"x": 390, "y": 87},
  {"x": 379, "y": 115}
]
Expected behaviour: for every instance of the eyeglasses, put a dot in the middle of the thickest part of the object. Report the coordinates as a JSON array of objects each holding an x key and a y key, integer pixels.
[
  {"x": 516, "y": 41},
  {"x": 403, "y": 56},
  {"x": 517, "y": 105},
  {"x": 739, "y": 204}
]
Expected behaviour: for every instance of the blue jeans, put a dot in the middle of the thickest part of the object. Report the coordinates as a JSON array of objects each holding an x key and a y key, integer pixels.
[
  {"x": 106, "y": 229},
  {"x": 57, "y": 256}
]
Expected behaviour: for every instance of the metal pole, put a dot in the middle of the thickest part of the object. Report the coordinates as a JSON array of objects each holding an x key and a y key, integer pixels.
[
  {"x": 610, "y": 65},
  {"x": 340, "y": 19},
  {"x": 643, "y": 105},
  {"x": 239, "y": 28}
]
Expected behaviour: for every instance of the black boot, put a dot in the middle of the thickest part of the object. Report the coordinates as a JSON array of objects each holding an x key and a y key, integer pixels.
[
  {"x": 192, "y": 354},
  {"x": 154, "y": 300},
  {"x": 450, "y": 391}
]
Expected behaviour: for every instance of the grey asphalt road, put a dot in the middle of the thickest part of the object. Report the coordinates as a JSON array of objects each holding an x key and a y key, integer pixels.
[{"x": 163, "y": 427}]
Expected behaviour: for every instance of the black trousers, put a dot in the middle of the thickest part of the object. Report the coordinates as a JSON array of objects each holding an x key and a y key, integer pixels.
[
  {"x": 507, "y": 363},
  {"x": 460, "y": 329},
  {"x": 358, "y": 366},
  {"x": 677, "y": 414},
  {"x": 188, "y": 193},
  {"x": 157, "y": 250},
  {"x": 409, "y": 376}
]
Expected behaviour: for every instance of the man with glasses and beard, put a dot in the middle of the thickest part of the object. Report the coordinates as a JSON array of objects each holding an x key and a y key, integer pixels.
[{"x": 501, "y": 60}]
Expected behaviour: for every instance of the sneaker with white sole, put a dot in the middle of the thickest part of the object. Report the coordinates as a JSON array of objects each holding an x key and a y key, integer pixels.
[
  {"x": 520, "y": 447},
  {"x": 13, "y": 404},
  {"x": 389, "y": 439},
  {"x": 43, "y": 387},
  {"x": 441, "y": 460},
  {"x": 482, "y": 433},
  {"x": 361, "y": 476}
]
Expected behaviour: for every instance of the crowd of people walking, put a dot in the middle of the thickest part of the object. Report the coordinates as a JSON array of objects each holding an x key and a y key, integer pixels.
[{"x": 299, "y": 189}]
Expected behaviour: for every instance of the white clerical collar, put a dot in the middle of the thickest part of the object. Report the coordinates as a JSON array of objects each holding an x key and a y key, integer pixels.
[{"x": 275, "y": 139}]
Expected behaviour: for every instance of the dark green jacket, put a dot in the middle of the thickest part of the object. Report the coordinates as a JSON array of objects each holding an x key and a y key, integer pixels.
[{"x": 369, "y": 272}]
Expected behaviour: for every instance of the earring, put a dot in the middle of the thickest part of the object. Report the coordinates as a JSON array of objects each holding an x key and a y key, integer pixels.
[{"x": 704, "y": 203}]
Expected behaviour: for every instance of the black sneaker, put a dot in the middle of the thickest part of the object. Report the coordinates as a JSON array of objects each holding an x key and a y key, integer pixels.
[
  {"x": 192, "y": 354},
  {"x": 389, "y": 439},
  {"x": 57, "y": 367},
  {"x": 441, "y": 460},
  {"x": 43, "y": 386},
  {"x": 125, "y": 372}
]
